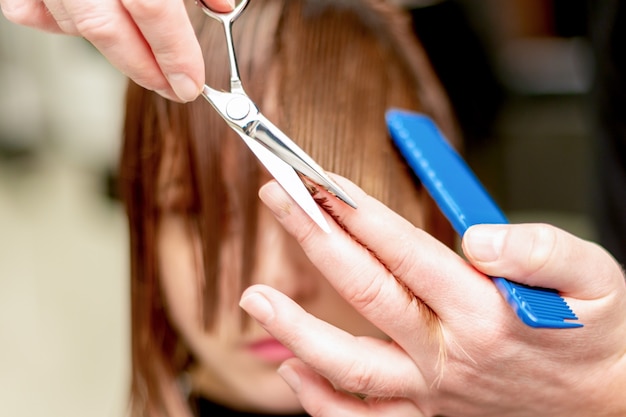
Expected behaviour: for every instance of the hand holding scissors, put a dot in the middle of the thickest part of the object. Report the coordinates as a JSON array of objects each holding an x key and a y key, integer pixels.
[{"x": 152, "y": 43}]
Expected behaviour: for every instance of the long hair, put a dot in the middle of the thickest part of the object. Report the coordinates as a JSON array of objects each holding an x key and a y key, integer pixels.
[{"x": 324, "y": 71}]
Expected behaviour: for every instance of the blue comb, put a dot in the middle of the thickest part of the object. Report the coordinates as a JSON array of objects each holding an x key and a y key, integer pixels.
[{"x": 464, "y": 201}]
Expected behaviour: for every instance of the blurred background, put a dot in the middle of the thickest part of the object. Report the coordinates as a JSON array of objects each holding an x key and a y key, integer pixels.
[
  {"x": 519, "y": 75},
  {"x": 63, "y": 245}
]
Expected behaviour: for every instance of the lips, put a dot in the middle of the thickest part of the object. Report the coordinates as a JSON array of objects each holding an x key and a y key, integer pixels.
[{"x": 270, "y": 350}]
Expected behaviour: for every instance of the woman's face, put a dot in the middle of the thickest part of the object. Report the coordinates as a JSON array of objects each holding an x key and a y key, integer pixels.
[{"x": 237, "y": 367}]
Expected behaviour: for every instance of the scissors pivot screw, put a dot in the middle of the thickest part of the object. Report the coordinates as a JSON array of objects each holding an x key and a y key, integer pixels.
[
  {"x": 238, "y": 108},
  {"x": 283, "y": 159}
]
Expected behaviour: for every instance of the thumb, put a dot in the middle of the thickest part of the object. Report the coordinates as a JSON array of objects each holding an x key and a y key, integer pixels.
[{"x": 541, "y": 255}]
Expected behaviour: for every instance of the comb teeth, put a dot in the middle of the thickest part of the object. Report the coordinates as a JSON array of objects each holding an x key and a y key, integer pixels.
[
  {"x": 464, "y": 201},
  {"x": 537, "y": 307}
]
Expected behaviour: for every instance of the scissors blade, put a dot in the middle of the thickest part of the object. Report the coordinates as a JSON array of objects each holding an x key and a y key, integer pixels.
[
  {"x": 288, "y": 179},
  {"x": 243, "y": 116},
  {"x": 280, "y": 144}
]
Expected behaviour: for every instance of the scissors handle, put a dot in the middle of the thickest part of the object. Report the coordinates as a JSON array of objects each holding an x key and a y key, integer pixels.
[
  {"x": 227, "y": 19},
  {"x": 280, "y": 155}
]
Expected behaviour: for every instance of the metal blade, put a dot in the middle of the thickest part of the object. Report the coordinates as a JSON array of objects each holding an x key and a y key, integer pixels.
[
  {"x": 281, "y": 145},
  {"x": 243, "y": 117},
  {"x": 289, "y": 180}
]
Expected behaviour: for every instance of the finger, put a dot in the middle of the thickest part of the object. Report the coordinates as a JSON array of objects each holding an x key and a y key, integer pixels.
[
  {"x": 111, "y": 29},
  {"x": 356, "y": 364},
  {"x": 428, "y": 269},
  {"x": 320, "y": 399},
  {"x": 166, "y": 27},
  {"x": 544, "y": 256},
  {"x": 358, "y": 275},
  {"x": 31, "y": 13},
  {"x": 318, "y": 396}
]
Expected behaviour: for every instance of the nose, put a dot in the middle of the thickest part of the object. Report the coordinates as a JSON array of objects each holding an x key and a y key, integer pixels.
[{"x": 282, "y": 264}]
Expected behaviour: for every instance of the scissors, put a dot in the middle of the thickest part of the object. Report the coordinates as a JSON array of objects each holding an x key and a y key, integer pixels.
[{"x": 274, "y": 149}]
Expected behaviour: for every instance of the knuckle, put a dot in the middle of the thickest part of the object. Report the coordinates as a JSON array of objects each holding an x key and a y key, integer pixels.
[
  {"x": 145, "y": 9},
  {"x": 97, "y": 28},
  {"x": 358, "y": 379},
  {"x": 367, "y": 295},
  {"x": 404, "y": 261}
]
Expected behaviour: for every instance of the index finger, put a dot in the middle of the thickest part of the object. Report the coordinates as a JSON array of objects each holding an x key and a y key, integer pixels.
[
  {"x": 168, "y": 32},
  {"x": 111, "y": 28},
  {"x": 425, "y": 268},
  {"x": 362, "y": 365}
]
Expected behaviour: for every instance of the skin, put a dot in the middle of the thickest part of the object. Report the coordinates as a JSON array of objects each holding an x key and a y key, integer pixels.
[
  {"x": 228, "y": 372},
  {"x": 223, "y": 369},
  {"x": 547, "y": 373},
  {"x": 479, "y": 360},
  {"x": 153, "y": 43}
]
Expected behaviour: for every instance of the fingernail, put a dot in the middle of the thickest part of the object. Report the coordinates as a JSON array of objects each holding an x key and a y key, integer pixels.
[
  {"x": 258, "y": 307},
  {"x": 276, "y": 199},
  {"x": 484, "y": 242},
  {"x": 184, "y": 87},
  {"x": 290, "y": 376}
]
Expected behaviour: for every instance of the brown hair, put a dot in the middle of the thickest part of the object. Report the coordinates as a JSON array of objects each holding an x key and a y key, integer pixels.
[{"x": 324, "y": 71}]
